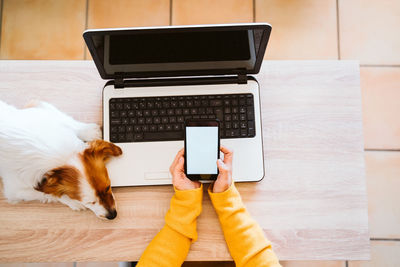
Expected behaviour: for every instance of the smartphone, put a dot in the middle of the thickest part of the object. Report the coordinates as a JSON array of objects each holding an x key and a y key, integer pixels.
[{"x": 201, "y": 149}]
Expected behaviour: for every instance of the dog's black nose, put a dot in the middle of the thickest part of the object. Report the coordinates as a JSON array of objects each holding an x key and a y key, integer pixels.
[{"x": 111, "y": 214}]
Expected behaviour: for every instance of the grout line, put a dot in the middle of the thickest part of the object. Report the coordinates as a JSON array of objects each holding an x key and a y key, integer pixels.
[
  {"x": 254, "y": 10},
  {"x": 383, "y": 150},
  {"x": 378, "y": 65},
  {"x": 170, "y": 12},
  {"x": 384, "y": 239},
  {"x": 1, "y": 20},
  {"x": 338, "y": 28},
  {"x": 86, "y": 26}
]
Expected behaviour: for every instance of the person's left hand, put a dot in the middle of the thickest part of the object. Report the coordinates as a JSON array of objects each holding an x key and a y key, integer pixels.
[{"x": 179, "y": 179}]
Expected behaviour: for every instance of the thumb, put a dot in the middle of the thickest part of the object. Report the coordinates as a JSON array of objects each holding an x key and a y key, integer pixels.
[
  {"x": 221, "y": 166},
  {"x": 181, "y": 161}
]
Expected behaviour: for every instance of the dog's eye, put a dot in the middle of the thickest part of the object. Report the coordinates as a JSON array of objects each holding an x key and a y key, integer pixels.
[
  {"x": 93, "y": 202},
  {"x": 108, "y": 188}
]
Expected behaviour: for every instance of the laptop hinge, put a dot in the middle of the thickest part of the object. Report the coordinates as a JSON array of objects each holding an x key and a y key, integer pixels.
[
  {"x": 242, "y": 76},
  {"x": 119, "y": 80}
]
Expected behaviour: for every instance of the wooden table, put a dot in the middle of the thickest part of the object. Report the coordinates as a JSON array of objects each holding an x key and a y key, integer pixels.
[{"x": 312, "y": 203}]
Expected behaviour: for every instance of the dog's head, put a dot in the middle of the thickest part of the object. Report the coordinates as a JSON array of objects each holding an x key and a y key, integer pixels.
[{"x": 90, "y": 186}]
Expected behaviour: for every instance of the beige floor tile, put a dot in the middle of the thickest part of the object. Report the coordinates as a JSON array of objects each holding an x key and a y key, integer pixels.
[
  {"x": 301, "y": 29},
  {"x": 64, "y": 264},
  {"x": 369, "y": 31},
  {"x": 313, "y": 263},
  {"x": 383, "y": 254},
  {"x": 128, "y": 13},
  {"x": 42, "y": 29},
  {"x": 383, "y": 183},
  {"x": 210, "y": 11},
  {"x": 97, "y": 264},
  {"x": 209, "y": 264},
  {"x": 381, "y": 107}
]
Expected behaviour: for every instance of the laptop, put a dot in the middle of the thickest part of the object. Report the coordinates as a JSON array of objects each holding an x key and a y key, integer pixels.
[{"x": 158, "y": 77}]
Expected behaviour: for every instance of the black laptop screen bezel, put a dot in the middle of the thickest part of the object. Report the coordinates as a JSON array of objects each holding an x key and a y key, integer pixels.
[{"x": 266, "y": 29}]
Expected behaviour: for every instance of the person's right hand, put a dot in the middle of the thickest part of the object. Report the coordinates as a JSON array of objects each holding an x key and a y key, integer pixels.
[
  {"x": 179, "y": 179},
  {"x": 224, "y": 179}
]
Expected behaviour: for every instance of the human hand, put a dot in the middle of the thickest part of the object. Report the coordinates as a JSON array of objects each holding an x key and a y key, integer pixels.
[
  {"x": 224, "y": 179},
  {"x": 177, "y": 170}
]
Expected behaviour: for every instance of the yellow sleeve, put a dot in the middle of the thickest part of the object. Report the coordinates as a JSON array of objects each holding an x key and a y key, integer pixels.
[
  {"x": 171, "y": 245},
  {"x": 244, "y": 237}
]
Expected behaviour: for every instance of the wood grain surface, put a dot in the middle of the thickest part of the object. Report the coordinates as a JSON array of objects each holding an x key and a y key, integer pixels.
[{"x": 311, "y": 204}]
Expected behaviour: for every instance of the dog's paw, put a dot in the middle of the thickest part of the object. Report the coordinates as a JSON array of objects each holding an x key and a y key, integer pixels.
[
  {"x": 90, "y": 132},
  {"x": 76, "y": 206}
]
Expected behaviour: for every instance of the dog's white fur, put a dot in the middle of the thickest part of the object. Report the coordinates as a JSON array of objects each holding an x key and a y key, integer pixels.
[{"x": 36, "y": 140}]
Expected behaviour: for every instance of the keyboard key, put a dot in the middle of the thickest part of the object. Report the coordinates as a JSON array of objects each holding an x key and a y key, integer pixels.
[
  {"x": 232, "y": 133},
  {"x": 216, "y": 103},
  {"x": 250, "y": 113},
  {"x": 165, "y": 136},
  {"x": 138, "y": 136},
  {"x": 129, "y": 137},
  {"x": 218, "y": 112},
  {"x": 115, "y": 121}
]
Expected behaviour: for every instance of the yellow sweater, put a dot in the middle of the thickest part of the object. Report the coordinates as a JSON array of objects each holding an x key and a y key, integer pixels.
[{"x": 245, "y": 238}]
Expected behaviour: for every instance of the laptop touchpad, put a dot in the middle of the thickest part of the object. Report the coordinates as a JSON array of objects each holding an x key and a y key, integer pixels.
[{"x": 157, "y": 175}]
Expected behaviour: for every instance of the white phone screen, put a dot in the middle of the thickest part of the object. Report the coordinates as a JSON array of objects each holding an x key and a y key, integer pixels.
[{"x": 202, "y": 149}]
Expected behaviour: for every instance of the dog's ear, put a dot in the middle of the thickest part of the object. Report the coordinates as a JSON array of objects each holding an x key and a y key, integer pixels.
[
  {"x": 60, "y": 181},
  {"x": 103, "y": 149}
]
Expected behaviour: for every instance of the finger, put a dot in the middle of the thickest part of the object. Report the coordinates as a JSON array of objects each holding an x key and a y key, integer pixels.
[
  {"x": 223, "y": 169},
  {"x": 228, "y": 155},
  {"x": 178, "y": 155},
  {"x": 180, "y": 166}
]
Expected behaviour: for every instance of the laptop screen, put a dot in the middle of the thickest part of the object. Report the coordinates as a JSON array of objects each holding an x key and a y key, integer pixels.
[
  {"x": 147, "y": 48},
  {"x": 178, "y": 51}
]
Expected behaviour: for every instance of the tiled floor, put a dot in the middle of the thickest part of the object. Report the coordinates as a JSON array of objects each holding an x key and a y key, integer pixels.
[{"x": 302, "y": 29}]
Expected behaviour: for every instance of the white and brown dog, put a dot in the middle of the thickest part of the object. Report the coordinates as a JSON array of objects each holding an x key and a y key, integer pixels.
[{"x": 48, "y": 156}]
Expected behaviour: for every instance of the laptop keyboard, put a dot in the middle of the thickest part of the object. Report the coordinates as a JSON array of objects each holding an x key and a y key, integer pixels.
[{"x": 142, "y": 119}]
